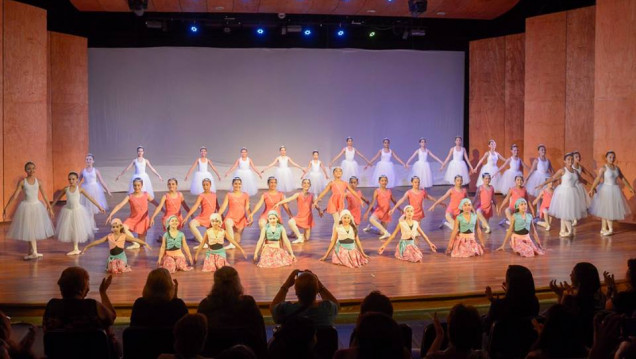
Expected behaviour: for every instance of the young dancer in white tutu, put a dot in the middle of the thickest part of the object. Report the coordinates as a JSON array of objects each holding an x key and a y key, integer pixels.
[
  {"x": 490, "y": 166},
  {"x": 421, "y": 169},
  {"x": 31, "y": 222},
  {"x": 74, "y": 222},
  {"x": 384, "y": 167},
  {"x": 245, "y": 170},
  {"x": 349, "y": 165},
  {"x": 567, "y": 202},
  {"x": 140, "y": 164},
  {"x": 580, "y": 184},
  {"x": 540, "y": 170},
  {"x": 609, "y": 202},
  {"x": 316, "y": 173},
  {"x": 286, "y": 182},
  {"x": 457, "y": 166},
  {"x": 92, "y": 182},
  {"x": 507, "y": 180},
  {"x": 202, "y": 163}
]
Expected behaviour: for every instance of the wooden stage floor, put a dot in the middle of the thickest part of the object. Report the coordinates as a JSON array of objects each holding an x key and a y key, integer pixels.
[{"x": 30, "y": 284}]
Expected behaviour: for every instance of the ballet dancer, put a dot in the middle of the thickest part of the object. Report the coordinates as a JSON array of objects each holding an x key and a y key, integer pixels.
[
  {"x": 117, "y": 261},
  {"x": 31, "y": 222},
  {"x": 514, "y": 193},
  {"x": 273, "y": 247},
  {"x": 283, "y": 173},
  {"x": 545, "y": 196},
  {"x": 140, "y": 164},
  {"x": 384, "y": 167},
  {"x": 540, "y": 170},
  {"x": 457, "y": 166},
  {"x": 74, "y": 222},
  {"x": 581, "y": 182},
  {"x": 456, "y": 194},
  {"x": 208, "y": 203},
  {"x": 173, "y": 244},
  {"x": 345, "y": 243},
  {"x": 202, "y": 163},
  {"x": 237, "y": 204},
  {"x": 416, "y": 197},
  {"x": 380, "y": 218},
  {"x": 421, "y": 169},
  {"x": 215, "y": 256},
  {"x": 490, "y": 166},
  {"x": 317, "y": 173},
  {"x": 462, "y": 240},
  {"x": 349, "y": 165},
  {"x": 304, "y": 218},
  {"x": 354, "y": 204},
  {"x": 521, "y": 225},
  {"x": 485, "y": 201},
  {"x": 245, "y": 170},
  {"x": 138, "y": 221},
  {"x": 337, "y": 200},
  {"x": 270, "y": 198},
  {"x": 407, "y": 249},
  {"x": 609, "y": 203},
  {"x": 92, "y": 182},
  {"x": 516, "y": 166},
  {"x": 171, "y": 203}
]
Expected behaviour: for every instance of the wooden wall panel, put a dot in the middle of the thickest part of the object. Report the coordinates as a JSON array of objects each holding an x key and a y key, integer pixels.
[
  {"x": 2, "y": 179},
  {"x": 615, "y": 84},
  {"x": 25, "y": 113},
  {"x": 69, "y": 104},
  {"x": 514, "y": 90},
  {"x": 545, "y": 73},
  {"x": 579, "y": 93}
]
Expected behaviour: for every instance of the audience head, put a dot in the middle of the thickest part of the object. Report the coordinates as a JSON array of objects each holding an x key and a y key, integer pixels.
[
  {"x": 5, "y": 328},
  {"x": 560, "y": 337},
  {"x": 159, "y": 286},
  {"x": 519, "y": 285},
  {"x": 296, "y": 338},
  {"x": 464, "y": 328},
  {"x": 73, "y": 282},
  {"x": 376, "y": 302},
  {"x": 379, "y": 336},
  {"x": 585, "y": 279},
  {"x": 239, "y": 351},
  {"x": 307, "y": 286},
  {"x": 227, "y": 285},
  {"x": 190, "y": 333},
  {"x": 631, "y": 272}
]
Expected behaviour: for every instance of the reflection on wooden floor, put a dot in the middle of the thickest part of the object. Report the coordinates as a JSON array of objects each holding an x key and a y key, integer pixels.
[{"x": 33, "y": 283}]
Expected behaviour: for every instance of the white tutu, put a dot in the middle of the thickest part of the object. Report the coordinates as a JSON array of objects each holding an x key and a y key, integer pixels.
[
  {"x": 147, "y": 187},
  {"x": 248, "y": 180},
  {"x": 583, "y": 193},
  {"x": 31, "y": 222},
  {"x": 96, "y": 191},
  {"x": 567, "y": 202},
  {"x": 285, "y": 179},
  {"x": 422, "y": 169},
  {"x": 507, "y": 180},
  {"x": 384, "y": 168},
  {"x": 490, "y": 169},
  {"x": 74, "y": 225},
  {"x": 349, "y": 169},
  {"x": 196, "y": 187},
  {"x": 535, "y": 179},
  {"x": 318, "y": 181},
  {"x": 456, "y": 167},
  {"x": 609, "y": 202}
]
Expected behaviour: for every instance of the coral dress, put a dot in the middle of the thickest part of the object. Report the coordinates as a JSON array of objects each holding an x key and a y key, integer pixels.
[
  {"x": 354, "y": 206},
  {"x": 173, "y": 208},
  {"x": 416, "y": 199},
  {"x": 383, "y": 205},
  {"x": 270, "y": 199},
  {"x": 236, "y": 209},
  {"x": 336, "y": 201},
  {"x": 208, "y": 206},
  {"x": 456, "y": 197},
  {"x": 485, "y": 201},
  {"x": 215, "y": 256},
  {"x": 345, "y": 252},
  {"x": 304, "y": 217},
  {"x": 545, "y": 202},
  {"x": 407, "y": 249},
  {"x": 138, "y": 221},
  {"x": 515, "y": 194}
]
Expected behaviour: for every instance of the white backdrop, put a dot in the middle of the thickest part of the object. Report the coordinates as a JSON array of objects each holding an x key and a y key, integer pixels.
[{"x": 174, "y": 100}]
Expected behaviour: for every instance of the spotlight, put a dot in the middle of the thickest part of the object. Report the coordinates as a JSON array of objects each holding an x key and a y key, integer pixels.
[
  {"x": 307, "y": 32},
  {"x": 340, "y": 33},
  {"x": 372, "y": 34},
  {"x": 260, "y": 31},
  {"x": 194, "y": 28}
]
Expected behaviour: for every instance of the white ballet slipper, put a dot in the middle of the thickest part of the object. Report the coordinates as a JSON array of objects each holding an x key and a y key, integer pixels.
[{"x": 74, "y": 252}]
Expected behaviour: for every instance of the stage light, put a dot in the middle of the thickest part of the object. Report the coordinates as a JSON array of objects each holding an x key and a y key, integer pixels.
[
  {"x": 340, "y": 33},
  {"x": 260, "y": 31},
  {"x": 307, "y": 32},
  {"x": 194, "y": 28},
  {"x": 372, "y": 34}
]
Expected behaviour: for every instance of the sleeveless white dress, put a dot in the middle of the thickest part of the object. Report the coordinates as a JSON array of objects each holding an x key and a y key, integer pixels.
[
  {"x": 140, "y": 172},
  {"x": 31, "y": 221},
  {"x": 196, "y": 187},
  {"x": 317, "y": 178},
  {"x": 74, "y": 222},
  {"x": 581, "y": 187},
  {"x": 248, "y": 178},
  {"x": 385, "y": 167},
  {"x": 284, "y": 175},
  {"x": 537, "y": 177},
  {"x": 491, "y": 168},
  {"x": 349, "y": 165},
  {"x": 422, "y": 169},
  {"x": 457, "y": 166},
  {"x": 567, "y": 203},
  {"x": 95, "y": 190},
  {"x": 507, "y": 180},
  {"x": 609, "y": 202}
]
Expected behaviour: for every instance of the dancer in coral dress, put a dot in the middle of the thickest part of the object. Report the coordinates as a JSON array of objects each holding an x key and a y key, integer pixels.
[
  {"x": 337, "y": 200},
  {"x": 304, "y": 218},
  {"x": 514, "y": 193},
  {"x": 237, "y": 204},
  {"x": 380, "y": 218},
  {"x": 269, "y": 199},
  {"x": 138, "y": 222},
  {"x": 208, "y": 203},
  {"x": 416, "y": 197},
  {"x": 354, "y": 203},
  {"x": 456, "y": 194},
  {"x": 171, "y": 202},
  {"x": 545, "y": 196},
  {"x": 485, "y": 202}
]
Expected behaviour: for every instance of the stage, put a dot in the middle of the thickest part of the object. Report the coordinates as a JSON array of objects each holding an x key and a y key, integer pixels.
[{"x": 438, "y": 282}]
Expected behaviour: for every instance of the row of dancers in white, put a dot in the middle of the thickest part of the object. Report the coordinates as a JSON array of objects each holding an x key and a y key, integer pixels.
[{"x": 566, "y": 202}]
